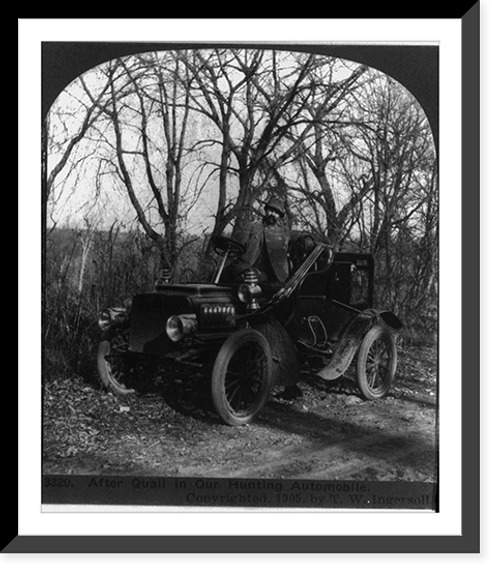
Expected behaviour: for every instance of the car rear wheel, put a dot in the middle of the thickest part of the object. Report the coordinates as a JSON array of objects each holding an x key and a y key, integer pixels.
[
  {"x": 376, "y": 363},
  {"x": 242, "y": 377}
]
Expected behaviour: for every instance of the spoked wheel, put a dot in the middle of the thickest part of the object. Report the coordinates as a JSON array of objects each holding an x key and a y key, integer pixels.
[
  {"x": 376, "y": 363},
  {"x": 242, "y": 376},
  {"x": 118, "y": 371}
]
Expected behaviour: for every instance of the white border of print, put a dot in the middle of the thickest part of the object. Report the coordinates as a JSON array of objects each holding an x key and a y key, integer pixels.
[{"x": 32, "y": 521}]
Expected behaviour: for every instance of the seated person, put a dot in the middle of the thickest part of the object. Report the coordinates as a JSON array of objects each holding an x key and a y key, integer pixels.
[{"x": 266, "y": 247}]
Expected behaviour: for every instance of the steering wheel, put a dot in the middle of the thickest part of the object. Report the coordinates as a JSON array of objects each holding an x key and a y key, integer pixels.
[{"x": 223, "y": 245}]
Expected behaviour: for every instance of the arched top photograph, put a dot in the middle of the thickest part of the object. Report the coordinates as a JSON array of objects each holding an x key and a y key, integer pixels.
[{"x": 241, "y": 241}]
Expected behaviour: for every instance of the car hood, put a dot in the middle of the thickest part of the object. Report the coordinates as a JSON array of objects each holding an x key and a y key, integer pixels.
[{"x": 193, "y": 289}]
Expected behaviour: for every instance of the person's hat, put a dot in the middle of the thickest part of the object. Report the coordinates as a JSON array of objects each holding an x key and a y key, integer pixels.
[{"x": 277, "y": 204}]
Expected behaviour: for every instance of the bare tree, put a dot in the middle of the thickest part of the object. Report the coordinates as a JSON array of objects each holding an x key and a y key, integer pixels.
[
  {"x": 67, "y": 124},
  {"x": 397, "y": 218},
  {"x": 347, "y": 148},
  {"x": 145, "y": 138},
  {"x": 269, "y": 109}
]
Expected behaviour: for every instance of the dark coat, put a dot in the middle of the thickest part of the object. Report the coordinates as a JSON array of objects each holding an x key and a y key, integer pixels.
[{"x": 266, "y": 251}]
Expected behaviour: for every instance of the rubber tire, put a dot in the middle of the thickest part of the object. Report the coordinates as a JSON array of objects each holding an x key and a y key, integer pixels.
[
  {"x": 106, "y": 375},
  {"x": 221, "y": 403},
  {"x": 376, "y": 334},
  {"x": 286, "y": 370}
]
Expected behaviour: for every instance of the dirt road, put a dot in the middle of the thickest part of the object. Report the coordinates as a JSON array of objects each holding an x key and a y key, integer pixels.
[{"x": 329, "y": 434}]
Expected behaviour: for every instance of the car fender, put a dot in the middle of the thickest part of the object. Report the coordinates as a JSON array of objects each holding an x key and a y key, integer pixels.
[
  {"x": 351, "y": 338},
  {"x": 111, "y": 319}
]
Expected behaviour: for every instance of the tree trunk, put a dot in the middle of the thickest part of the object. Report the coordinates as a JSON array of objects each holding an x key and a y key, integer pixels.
[{"x": 86, "y": 244}]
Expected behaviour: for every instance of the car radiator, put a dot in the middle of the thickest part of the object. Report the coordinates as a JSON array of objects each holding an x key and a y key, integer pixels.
[{"x": 149, "y": 316}]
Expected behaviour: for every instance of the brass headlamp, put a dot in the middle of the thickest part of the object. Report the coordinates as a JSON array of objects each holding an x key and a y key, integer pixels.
[{"x": 250, "y": 290}]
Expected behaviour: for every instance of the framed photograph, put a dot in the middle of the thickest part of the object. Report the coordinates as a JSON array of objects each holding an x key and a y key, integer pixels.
[{"x": 251, "y": 286}]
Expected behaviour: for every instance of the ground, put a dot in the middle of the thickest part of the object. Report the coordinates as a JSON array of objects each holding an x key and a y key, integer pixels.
[{"x": 172, "y": 430}]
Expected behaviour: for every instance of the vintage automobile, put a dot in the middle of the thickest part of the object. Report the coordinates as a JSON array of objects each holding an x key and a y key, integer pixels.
[{"x": 251, "y": 336}]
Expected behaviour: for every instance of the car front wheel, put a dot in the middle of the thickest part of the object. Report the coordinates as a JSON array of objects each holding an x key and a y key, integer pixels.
[
  {"x": 376, "y": 363},
  {"x": 242, "y": 377},
  {"x": 114, "y": 365}
]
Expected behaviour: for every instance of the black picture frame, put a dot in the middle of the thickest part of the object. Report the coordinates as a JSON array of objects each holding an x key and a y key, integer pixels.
[{"x": 468, "y": 541}]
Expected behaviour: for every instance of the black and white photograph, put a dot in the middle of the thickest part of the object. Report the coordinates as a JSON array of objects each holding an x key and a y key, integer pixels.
[
  {"x": 241, "y": 279},
  {"x": 240, "y": 276}
]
